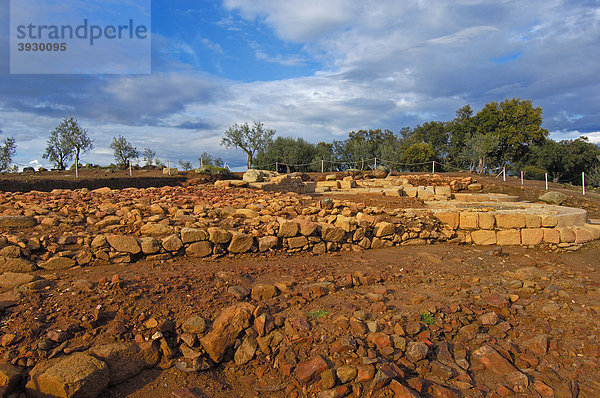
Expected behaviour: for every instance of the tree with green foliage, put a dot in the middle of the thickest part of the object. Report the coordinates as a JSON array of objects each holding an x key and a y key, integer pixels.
[
  {"x": 420, "y": 152},
  {"x": 7, "y": 151},
  {"x": 516, "y": 124},
  {"x": 460, "y": 129},
  {"x": 435, "y": 134},
  {"x": 185, "y": 165},
  {"x": 565, "y": 159},
  {"x": 207, "y": 159},
  {"x": 479, "y": 148},
  {"x": 59, "y": 150},
  {"x": 324, "y": 157},
  {"x": 68, "y": 139},
  {"x": 248, "y": 139},
  {"x": 148, "y": 155},
  {"x": 123, "y": 151},
  {"x": 362, "y": 146},
  {"x": 294, "y": 154},
  {"x": 76, "y": 136}
]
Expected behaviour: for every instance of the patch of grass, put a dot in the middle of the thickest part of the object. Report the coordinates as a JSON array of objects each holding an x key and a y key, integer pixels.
[
  {"x": 318, "y": 314},
  {"x": 427, "y": 317}
]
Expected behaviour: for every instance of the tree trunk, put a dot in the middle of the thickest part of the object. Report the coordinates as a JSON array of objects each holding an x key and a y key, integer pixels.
[{"x": 249, "y": 163}]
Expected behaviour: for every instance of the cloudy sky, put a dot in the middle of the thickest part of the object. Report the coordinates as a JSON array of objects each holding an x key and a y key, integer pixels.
[{"x": 317, "y": 69}]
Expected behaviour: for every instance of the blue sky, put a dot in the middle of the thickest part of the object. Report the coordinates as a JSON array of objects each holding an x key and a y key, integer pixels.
[{"x": 318, "y": 69}]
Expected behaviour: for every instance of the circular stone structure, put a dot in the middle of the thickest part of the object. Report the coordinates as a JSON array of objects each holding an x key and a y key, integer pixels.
[{"x": 551, "y": 215}]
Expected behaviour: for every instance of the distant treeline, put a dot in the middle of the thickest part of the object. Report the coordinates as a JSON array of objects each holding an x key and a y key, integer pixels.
[{"x": 506, "y": 134}]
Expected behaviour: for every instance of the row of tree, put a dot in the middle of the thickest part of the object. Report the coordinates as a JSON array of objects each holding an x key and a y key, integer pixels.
[{"x": 506, "y": 134}]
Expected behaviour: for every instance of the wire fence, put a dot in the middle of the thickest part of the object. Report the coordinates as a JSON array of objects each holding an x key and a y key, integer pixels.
[{"x": 169, "y": 168}]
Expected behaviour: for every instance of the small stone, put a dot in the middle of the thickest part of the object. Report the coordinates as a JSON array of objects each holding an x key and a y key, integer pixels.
[
  {"x": 415, "y": 351},
  {"x": 328, "y": 379},
  {"x": 489, "y": 318},
  {"x": 194, "y": 325},
  {"x": 246, "y": 350},
  {"x": 346, "y": 373},
  {"x": 239, "y": 292},
  {"x": 308, "y": 370}
]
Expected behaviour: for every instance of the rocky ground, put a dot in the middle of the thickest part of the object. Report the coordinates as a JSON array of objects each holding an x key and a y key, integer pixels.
[{"x": 440, "y": 320}]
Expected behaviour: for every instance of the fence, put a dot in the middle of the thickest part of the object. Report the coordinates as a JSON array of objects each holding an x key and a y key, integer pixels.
[{"x": 406, "y": 167}]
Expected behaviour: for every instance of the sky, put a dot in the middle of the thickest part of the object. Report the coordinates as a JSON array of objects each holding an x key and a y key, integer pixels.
[{"x": 317, "y": 69}]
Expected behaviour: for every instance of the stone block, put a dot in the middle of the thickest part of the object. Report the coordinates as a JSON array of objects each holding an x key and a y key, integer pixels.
[
  {"x": 469, "y": 220},
  {"x": 510, "y": 221},
  {"x": 549, "y": 221},
  {"x": 328, "y": 184},
  {"x": 486, "y": 221},
  {"x": 448, "y": 218},
  {"x": 566, "y": 235},
  {"x": 443, "y": 190},
  {"x": 509, "y": 237},
  {"x": 532, "y": 236},
  {"x": 582, "y": 235},
  {"x": 411, "y": 192},
  {"x": 533, "y": 221},
  {"x": 483, "y": 237},
  {"x": 345, "y": 184},
  {"x": 551, "y": 235},
  {"x": 425, "y": 195}
]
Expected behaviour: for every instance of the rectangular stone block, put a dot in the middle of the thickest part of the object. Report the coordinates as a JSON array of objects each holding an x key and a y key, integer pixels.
[
  {"x": 532, "y": 236},
  {"x": 533, "y": 221},
  {"x": 396, "y": 192},
  {"x": 510, "y": 221},
  {"x": 425, "y": 195},
  {"x": 449, "y": 219},
  {"x": 329, "y": 184},
  {"x": 486, "y": 221},
  {"x": 582, "y": 235},
  {"x": 443, "y": 190},
  {"x": 483, "y": 237},
  {"x": 549, "y": 221},
  {"x": 551, "y": 235},
  {"x": 345, "y": 184},
  {"x": 566, "y": 234},
  {"x": 469, "y": 220},
  {"x": 411, "y": 192},
  {"x": 509, "y": 237}
]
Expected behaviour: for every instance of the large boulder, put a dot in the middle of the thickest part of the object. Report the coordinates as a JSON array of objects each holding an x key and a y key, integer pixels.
[
  {"x": 73, "y": 376},
  {"x": 553, "y": 198},
  {"x": 226, "y": 328},
  {"x": 254, "y": 175}
]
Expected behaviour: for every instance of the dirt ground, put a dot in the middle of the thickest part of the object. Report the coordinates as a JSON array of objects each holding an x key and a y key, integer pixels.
[{"x": 534, "y": 291}]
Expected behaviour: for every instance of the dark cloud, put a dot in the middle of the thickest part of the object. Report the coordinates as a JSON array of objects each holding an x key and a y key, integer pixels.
[{"x": 196, "y": 125}]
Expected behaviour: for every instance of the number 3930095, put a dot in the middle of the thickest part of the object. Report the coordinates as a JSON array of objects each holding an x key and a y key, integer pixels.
[{"x": 42, "y": 46}]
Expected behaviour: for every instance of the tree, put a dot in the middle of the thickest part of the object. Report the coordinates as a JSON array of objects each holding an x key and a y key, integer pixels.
[
  {"x": 420, "y": 152},
  {"x": 7, "y": 151},
  {"x": 248, "y": 139},
  {"x": 460, "y": 129},
  {"x": 75, "y": 136},
  {"x": 123, "y": 151},
  {"x": 363, "y": 145},
  {"x": 479, "y": 147},
  {"x": 207, "y": 159},
  {"x": 148, "y": 156},
  {"x": 434, "y": 133},
  {"x": 295, "y": 154},
  {"x": 59, "y": 150},
  {"x": 185, "y": 165}
]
